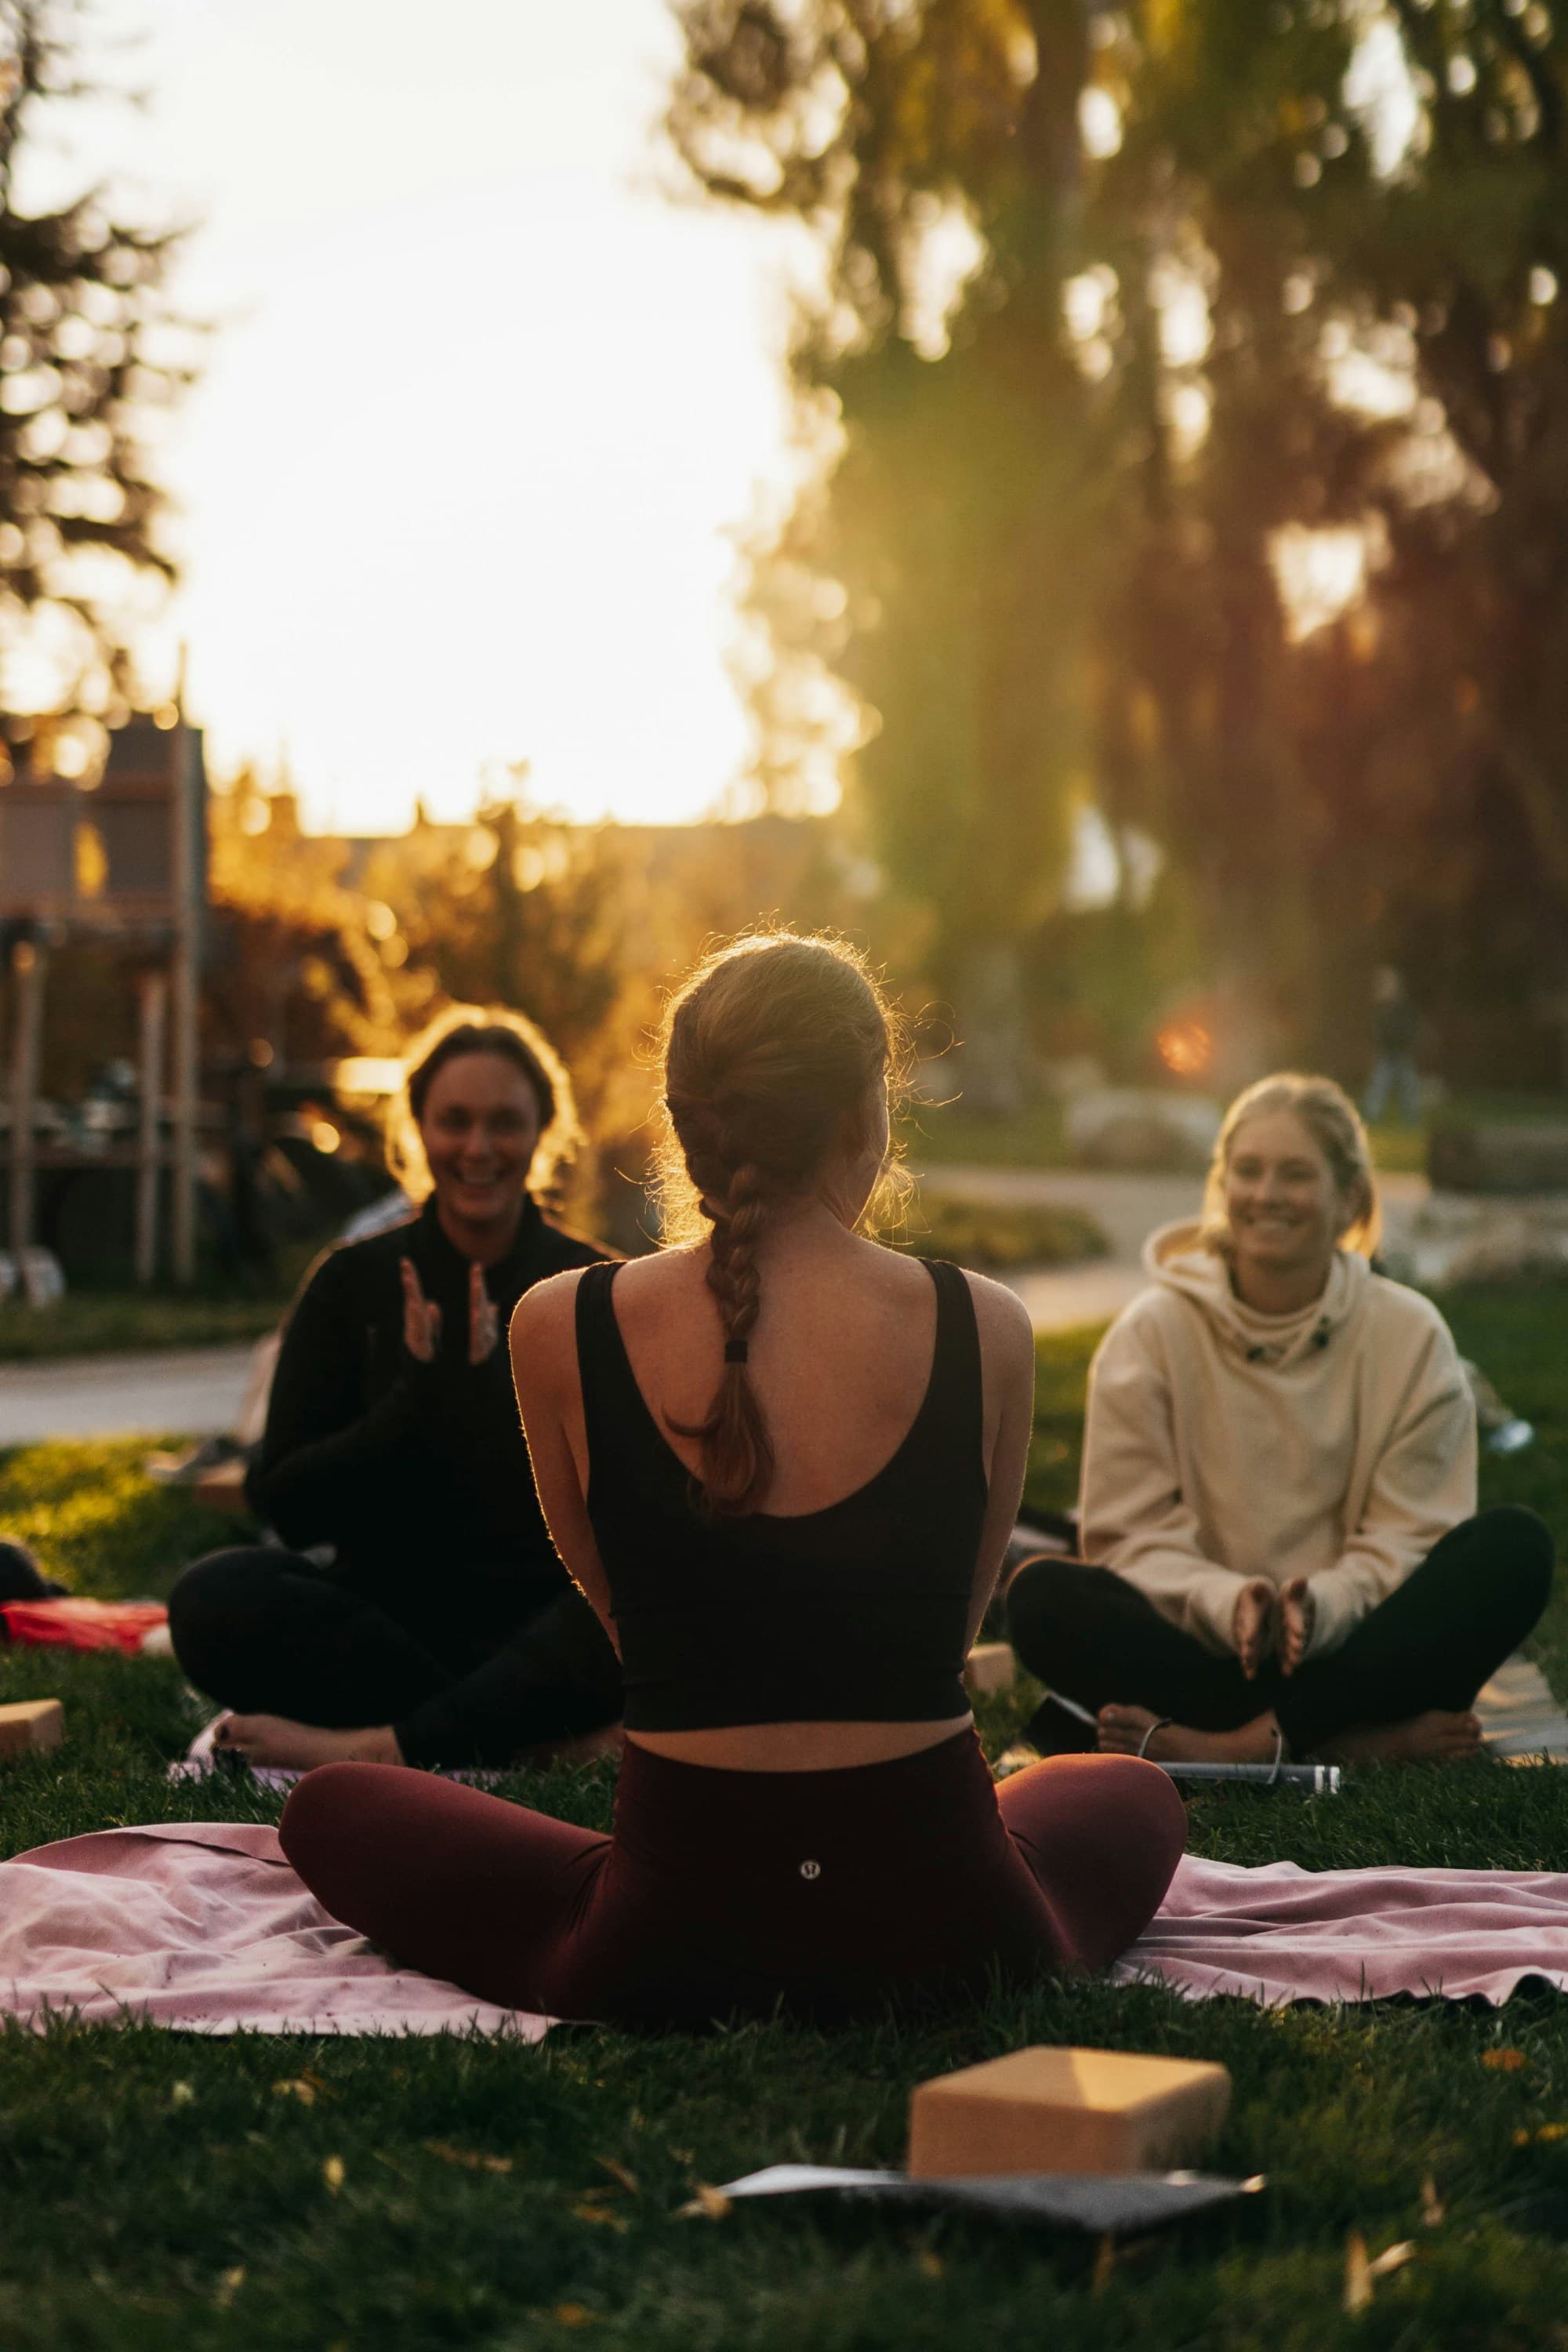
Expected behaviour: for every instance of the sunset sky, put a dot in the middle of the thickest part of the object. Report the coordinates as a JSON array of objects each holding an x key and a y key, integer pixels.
[{"x": 483, "y": 409}]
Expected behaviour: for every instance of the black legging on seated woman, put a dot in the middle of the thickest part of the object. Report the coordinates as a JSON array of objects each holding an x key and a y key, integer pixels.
[
  {"x": 445, "y": 1613},
  {"x": 1091, "y": 1635},
  {"x": 265, "y": 1632}
]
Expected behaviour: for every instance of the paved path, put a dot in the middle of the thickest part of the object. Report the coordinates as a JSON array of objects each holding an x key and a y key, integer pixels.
[
  {"x": 194, "y": 1391},
  {"x": 174, "y": 1391},
  {"x": 1060, "y": 1299}
]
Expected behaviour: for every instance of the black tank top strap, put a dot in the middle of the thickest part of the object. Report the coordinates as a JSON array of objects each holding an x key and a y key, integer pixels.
[
  {"x": 614, "y": 1411},
  {"x": 596, "y": 1315},
  {"x": 955, "y": 1400}
]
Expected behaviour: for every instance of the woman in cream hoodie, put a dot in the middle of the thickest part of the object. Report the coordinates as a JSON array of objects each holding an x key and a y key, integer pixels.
[{"x": 1280, "y": 1545}]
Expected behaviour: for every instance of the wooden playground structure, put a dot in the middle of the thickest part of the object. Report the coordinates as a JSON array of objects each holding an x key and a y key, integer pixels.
[{"x": 123, "y": 858}]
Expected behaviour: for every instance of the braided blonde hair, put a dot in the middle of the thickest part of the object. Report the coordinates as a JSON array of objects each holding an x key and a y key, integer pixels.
[
  {"x": 771, "y": 1049},
  {"x": 1333, "y": 1122}
]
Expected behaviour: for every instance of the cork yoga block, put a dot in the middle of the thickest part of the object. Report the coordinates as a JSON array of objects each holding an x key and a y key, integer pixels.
[
  {"x": 991, "y": 1666},
  {"x": 31, "y": 1725},
  {"x": 1047, "y": 2110}
]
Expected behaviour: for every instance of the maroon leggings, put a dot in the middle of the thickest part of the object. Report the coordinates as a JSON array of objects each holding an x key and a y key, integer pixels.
[{"x": 726, "y": 1893}]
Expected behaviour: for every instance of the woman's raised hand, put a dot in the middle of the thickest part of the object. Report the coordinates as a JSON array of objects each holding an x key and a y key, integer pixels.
[
  {"x": 484, "y": 1323},
  {"x": 1295, "y": 1611},
  {"x": 1252, "y": 1624},
  {"x": 421, "y": 1317}
]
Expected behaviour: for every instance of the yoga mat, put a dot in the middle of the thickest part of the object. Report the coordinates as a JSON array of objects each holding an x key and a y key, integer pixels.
[
  {"x": 204, "y": 1928},
  {"x": 68, "y": 1623},
  {"x": 1278, "y": 1934}
]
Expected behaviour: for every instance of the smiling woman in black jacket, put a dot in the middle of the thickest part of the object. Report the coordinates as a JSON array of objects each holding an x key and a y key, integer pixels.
[{"x": 445, "y": 1631}]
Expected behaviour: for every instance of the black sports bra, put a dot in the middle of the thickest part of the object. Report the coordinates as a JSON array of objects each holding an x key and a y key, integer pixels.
[{"x": 855, "y": 1614}]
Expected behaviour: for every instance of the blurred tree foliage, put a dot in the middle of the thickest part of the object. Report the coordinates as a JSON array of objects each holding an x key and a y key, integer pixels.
[
  {"x": 295, "y": 972},
  {"x": 519, "y": 909},
  {"x": 1385, "y": 381},
  {"x": 326, "y": 946},
  {"x": 583, "y": 927},
  {"x": 1187, "y": 385},
  {"x": 943, "y": 573},
  {"x": 90, "y": 351}
]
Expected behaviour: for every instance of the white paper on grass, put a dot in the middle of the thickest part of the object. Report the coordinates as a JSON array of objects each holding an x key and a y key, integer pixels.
[
  {"x": 1095, "y": 2201},
  {"x": 778, "y": 2180}
]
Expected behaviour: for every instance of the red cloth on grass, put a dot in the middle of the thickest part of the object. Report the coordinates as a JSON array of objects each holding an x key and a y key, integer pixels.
[{"x": 73, "y": 1624}]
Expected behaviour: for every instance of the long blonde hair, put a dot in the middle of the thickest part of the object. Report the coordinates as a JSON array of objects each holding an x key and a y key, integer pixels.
[{"x": 1333, "y": 1120}]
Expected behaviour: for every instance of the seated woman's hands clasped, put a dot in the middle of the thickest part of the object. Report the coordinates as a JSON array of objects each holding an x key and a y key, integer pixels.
[
  {"x": 1272, "y": 1622},
  {"x": 1281, "y": 1546}
]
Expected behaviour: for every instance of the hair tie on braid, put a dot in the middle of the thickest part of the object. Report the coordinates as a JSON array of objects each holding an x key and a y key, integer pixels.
[{"x": 735, "y": 1350}]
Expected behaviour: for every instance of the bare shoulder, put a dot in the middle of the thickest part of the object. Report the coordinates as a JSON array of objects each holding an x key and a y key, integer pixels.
[
  {"x": 544, "y": 1319},
  {"x": 660, "y": 1288},
  {"x": 660, "y": 1270},
  {"x": 1006, "y": 1329}
]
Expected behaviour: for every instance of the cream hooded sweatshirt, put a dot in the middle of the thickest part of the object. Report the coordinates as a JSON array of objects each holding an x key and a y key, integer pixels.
[{"x": 1337, "y": 1443}]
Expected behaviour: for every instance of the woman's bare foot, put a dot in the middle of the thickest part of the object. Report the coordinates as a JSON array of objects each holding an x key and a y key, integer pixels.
[
  {"x": 1434, "y": 1737},
  {"x": 301, "y": 1747},
  {"x": 1122, "y": 1730}
]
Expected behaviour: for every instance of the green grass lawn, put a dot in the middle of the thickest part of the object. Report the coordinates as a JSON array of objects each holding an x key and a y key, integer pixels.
[
  {"x": 949, "y": 1133},
  {"x": 164, "y": 2190},
  {"x": 92, "y": 1322},
  {"x": 96, "y": 1323},
  {"x": 993, "y": 1236}
]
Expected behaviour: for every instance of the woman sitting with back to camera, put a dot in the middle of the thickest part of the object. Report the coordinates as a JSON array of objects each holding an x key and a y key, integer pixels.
[
  {"x": 445, "y": 1630},
  {"x": 783, "y": 1463},
  {"x": 1281, "y": 1554}
]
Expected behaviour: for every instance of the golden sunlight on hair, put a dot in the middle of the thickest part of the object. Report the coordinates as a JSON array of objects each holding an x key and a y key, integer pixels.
[
  {"x": 1333, "y": 1122},
  {"x": 683, "y": 1221},
  {"x": 486, "y": 1029}
]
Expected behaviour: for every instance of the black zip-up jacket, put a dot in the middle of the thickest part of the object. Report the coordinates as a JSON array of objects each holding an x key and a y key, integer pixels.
[{"x": 417, "y": 1473}]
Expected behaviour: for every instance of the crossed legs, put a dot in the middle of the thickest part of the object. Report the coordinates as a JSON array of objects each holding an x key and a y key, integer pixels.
[
  {"x": 1403, "y": 1684},
  {"x": 531, "y": 1912}
]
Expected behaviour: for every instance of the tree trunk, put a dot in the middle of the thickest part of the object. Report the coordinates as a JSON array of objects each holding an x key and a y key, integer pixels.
[{"x": 993, "y": 1052}]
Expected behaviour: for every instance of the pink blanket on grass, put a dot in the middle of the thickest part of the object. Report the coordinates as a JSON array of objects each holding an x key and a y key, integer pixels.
[
  {"x": 1278, "y": 1933},
  {"x": 203, "y": 1927}
]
